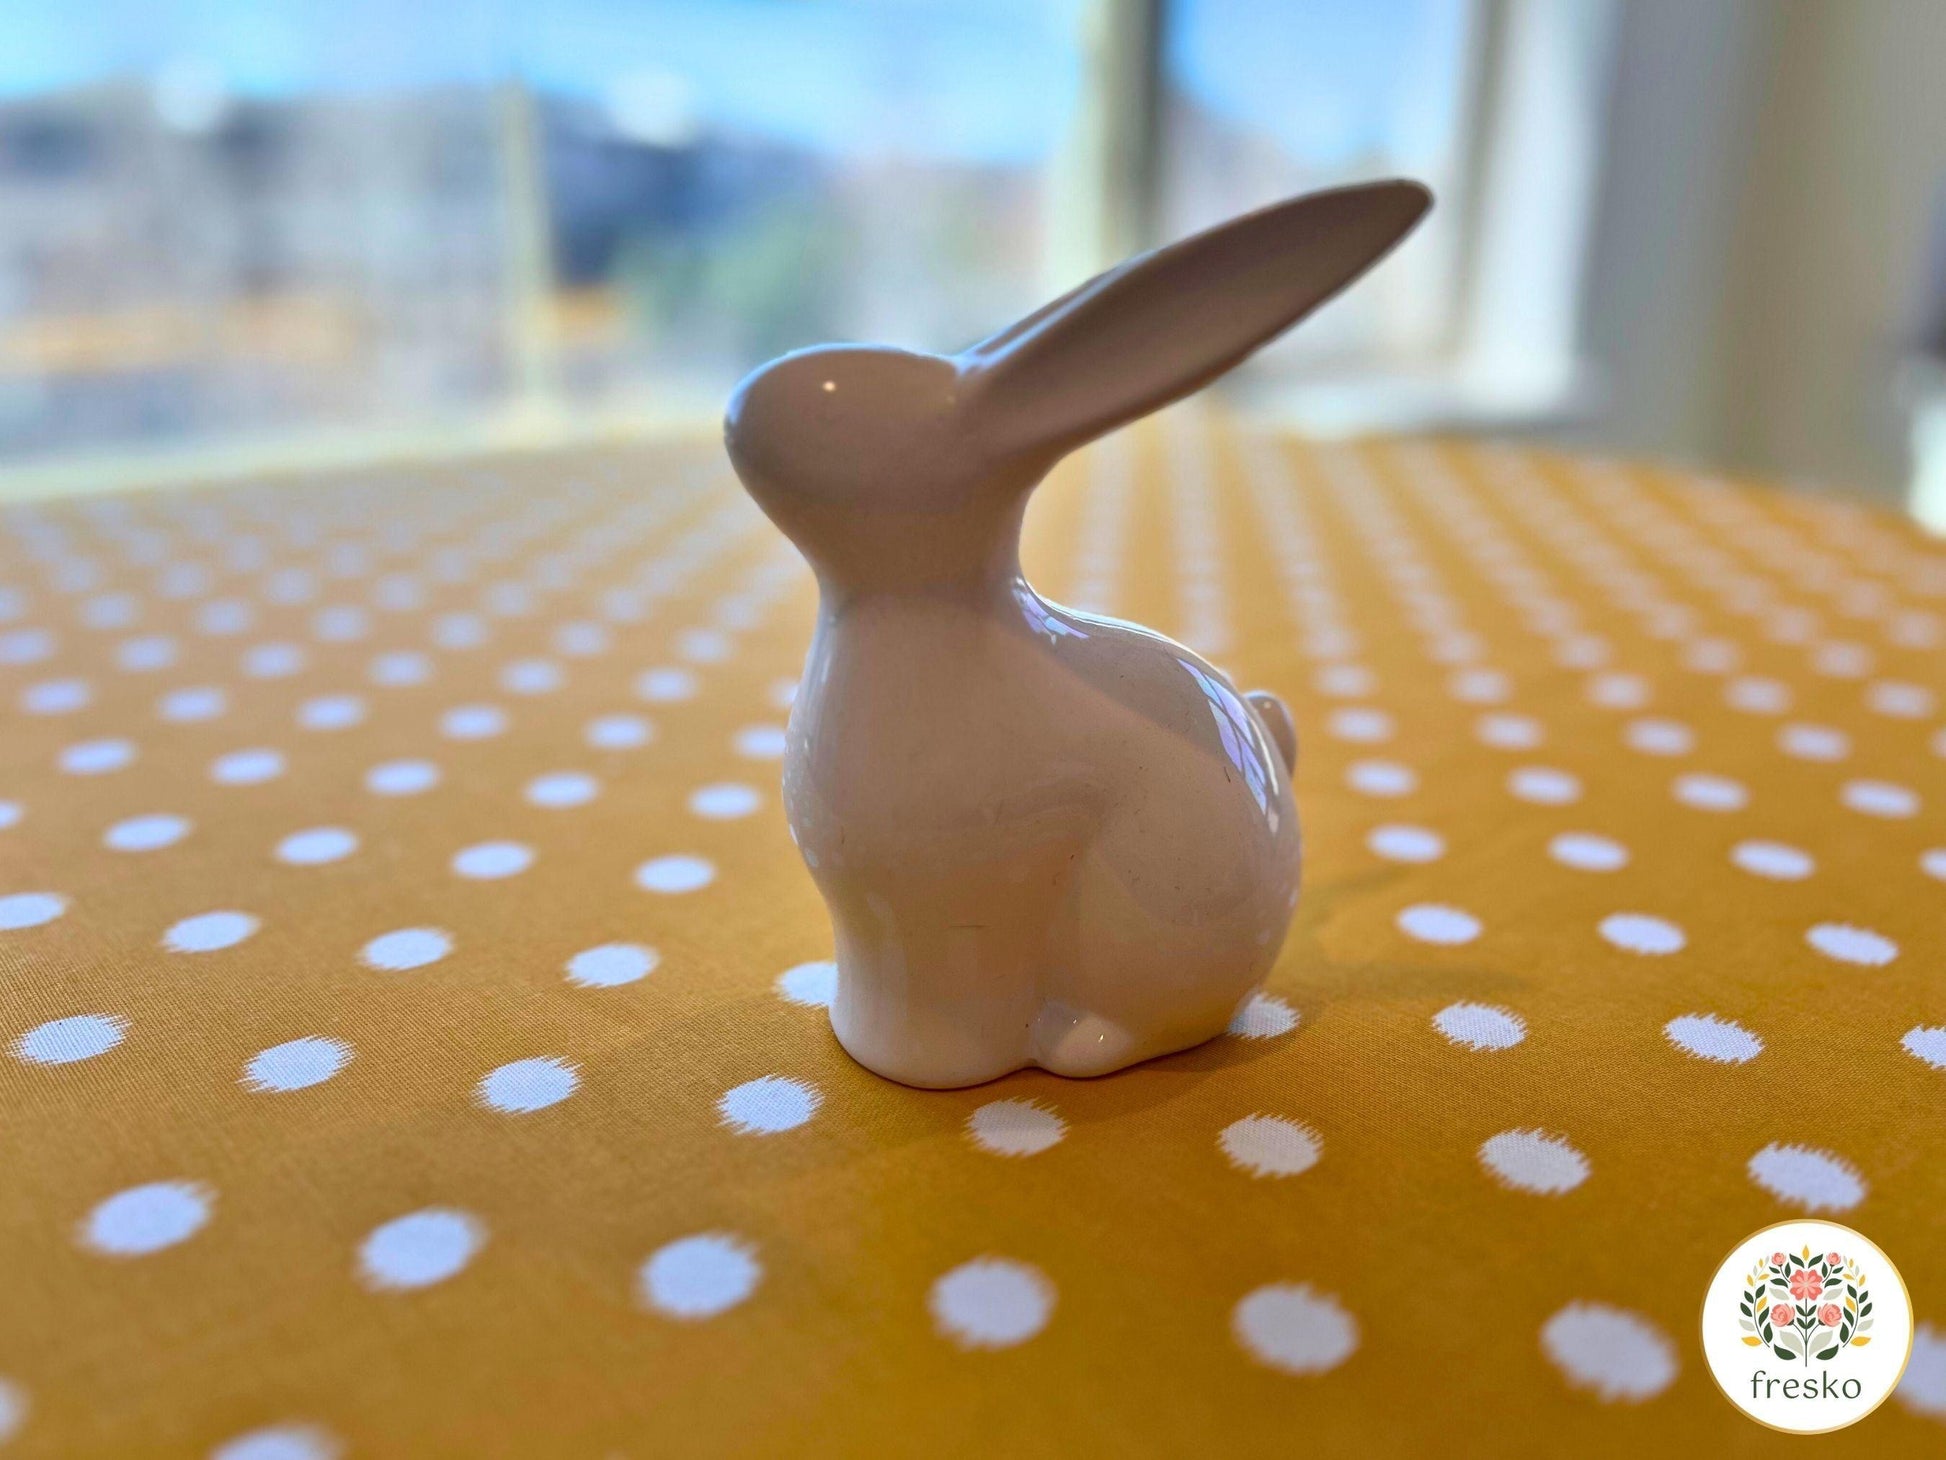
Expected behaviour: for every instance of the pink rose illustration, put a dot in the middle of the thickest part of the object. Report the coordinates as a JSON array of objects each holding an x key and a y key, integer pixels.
[
  {"x": 1834, "y": 1259},
  {"x": 1780, "y": 1316},
  {"x": 1828, "y": 1315},
  {"x": 1806, "y": 1285},
  {"x": 1776, "y": 1259}
]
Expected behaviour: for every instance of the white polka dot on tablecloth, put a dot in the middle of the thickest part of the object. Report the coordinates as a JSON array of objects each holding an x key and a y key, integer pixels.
[
  {"x": 490, "y": 861},
  {"x": 1848, "y": 944},
  {"x": 111, "y": 611},
  {"x": 1532, "y": 1160},
  {"x": 281, "y": 1442},
  {"x": 1755, "y": 695},
  {"x": 1817, "y": 1181},
  {"x": 760, "y": 742},
  {"x": 559, "y": 790},
  {"x": 1841, "y": 660},
  {"x": 1709, "y": 1037},
  {"x": 1585, "y": 652},
  {"x": 1586, "y": 852},
  {"x": 96, "y": 757},
  {"x": 1923, "y": 1389},
  {"x": 146, "y": 654},
  {"x": 399, "y": 669},
  {"x": 1814, "y": 742},
  {"x": 704, "y": 646},
  {"x": 26, "y": 646},
  {"x": 273, "y": 661},
  {"x": 1659, "y": 737},
  {"x": 662, "y": 686},
  {"x": 146, "y": 833},
  {"x": 192, "y": 705},
  {"x": 1544, "y": 786},
  {"x": 783, "y": 693},
  {"x": 1270, "y": 1145},
  {"x": 1618, "y": 691},
  {"x": 612, "y": 964},
  {"x": 10, "y": 814},
  {"x": 222, "y": 617},
  {"x": 30, "y": 909},
  {"x": 148, "y": 1218},
  {"x": 1932, "y": 862},
  {"x": 1480, "y": 1026},
  {"x": 532, "y": 677},
  {"x": 406, "y": 948},
  {"x": 1015, "y": 1128},
  {"x": 1927, "y": 1044},
  {"x": 402, "y": 777},
  {"x": 419, "y": 1249},
  {"x": 317, "y": 845},
  {"x": 1412, "y": 844},
  {"x": 331, "y": 712},
  {"x": 1381, "y": 778},
  {"x": 769, "y": 1104},
  {"x": 247, "y": 767},
  {"x": 458, "y": 631},
  {"x": 521, "y": 1087},
  {"x": 66, "y": 1041},
  {"x": 209, "y": 932},
  {"x": 814, "y": 984},
  {"x": 618, "y": 732},
  {"x": 1702, "y": 792},
  {"x": 56, "y": 697},
  {"x": 1609, "y": 1352},
  {"x": 1479, "y": 686},
  {"x": 1642, "y": 933},
  {"x": 1508, "y": 732},
  {"x": 296, "y": 1064},
  {"x": 1294, "y": 1328},
  {"x": 1883, "y": 799},
  {"x": 675, "y": 874},
  {"x": 700, "y": 1276},
  {"x": 1437, "y": 923},
  {"x": 724, "y": 801},
  {"x": 473, "y": 722},
  {"x": 991, "y": 1303},
  {"x": 14, "y": 1405},
  {"x": 1899, "y": 701},
  {"x": 1775, "y": 860},
  {"x": 1360, "y": 724},
  {"x": 1262, "y": 1016}
]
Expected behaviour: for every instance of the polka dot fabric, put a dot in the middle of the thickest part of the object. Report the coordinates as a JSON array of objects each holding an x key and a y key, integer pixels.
[{"x": 413, "y": 1012}]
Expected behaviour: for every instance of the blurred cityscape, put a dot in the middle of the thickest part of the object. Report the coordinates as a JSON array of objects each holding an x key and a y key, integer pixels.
[
  {"x": 330, "y": 259},
  {"x": 192, "y": 249}
]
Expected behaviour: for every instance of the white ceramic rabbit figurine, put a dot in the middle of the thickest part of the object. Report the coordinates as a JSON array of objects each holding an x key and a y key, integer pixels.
[{"x": 1045, "y": 838}]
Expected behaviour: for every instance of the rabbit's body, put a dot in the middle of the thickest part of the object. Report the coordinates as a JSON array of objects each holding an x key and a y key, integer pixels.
[
  {"x": 1045, "y": 838},
  {"x": 1079, "y": 890}
]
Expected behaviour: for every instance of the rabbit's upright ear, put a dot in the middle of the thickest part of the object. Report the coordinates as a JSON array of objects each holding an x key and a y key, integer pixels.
[{"x": 1166, "y": 323}]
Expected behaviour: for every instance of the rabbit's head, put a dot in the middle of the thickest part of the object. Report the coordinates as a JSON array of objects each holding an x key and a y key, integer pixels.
[{"x": 891, "y": 467}]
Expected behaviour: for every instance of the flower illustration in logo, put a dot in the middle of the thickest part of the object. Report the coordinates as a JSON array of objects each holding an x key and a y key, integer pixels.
[{"x": 1781, "y": 1310}]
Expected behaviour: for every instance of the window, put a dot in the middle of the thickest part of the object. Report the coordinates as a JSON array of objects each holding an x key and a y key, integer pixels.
[{"x": 324, "y": 225}]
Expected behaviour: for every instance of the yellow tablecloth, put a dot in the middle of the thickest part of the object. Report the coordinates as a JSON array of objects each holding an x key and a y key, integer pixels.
[{"x": 410, "y": 1027}]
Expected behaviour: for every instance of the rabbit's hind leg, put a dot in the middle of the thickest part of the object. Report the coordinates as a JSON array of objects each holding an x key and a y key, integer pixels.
[{"x": 1079, "y": 1045}]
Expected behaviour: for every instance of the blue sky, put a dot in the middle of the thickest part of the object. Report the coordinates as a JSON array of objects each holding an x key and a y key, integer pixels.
[{"x": 989, "y": 80}]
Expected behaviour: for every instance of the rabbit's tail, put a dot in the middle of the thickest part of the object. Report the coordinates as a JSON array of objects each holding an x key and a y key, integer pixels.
[{"x": 1277, "y": 720}]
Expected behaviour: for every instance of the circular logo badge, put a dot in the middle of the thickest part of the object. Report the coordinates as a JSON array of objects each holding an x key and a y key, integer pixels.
[{"x": 1807, "y": 1326}]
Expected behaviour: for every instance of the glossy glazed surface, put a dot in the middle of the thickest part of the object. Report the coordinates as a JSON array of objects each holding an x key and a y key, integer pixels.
[{"x": 1045, "y": 838}]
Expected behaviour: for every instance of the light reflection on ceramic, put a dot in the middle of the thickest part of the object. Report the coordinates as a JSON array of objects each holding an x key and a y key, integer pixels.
[{"x": 1044, "y": 837}]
